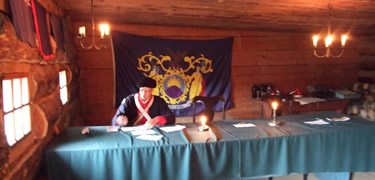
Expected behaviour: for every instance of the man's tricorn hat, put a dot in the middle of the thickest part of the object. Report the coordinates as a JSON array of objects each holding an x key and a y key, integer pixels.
[{"x": 146, "y": 82}]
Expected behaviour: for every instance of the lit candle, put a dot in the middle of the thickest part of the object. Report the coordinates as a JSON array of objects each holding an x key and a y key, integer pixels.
[
  {"x": 203, "y": 121},
  {"x": 101, "y": 27},
  {"x": 203, "y": 126},
  {"x": 329, "y": 40},
  {"x": 274, "y": 105},
  {"x": 343, "y": 39},
  {"x": 315, "y": 40},
  {"x": 104, "y": 30},
  {"x": 82, "y": 31}
]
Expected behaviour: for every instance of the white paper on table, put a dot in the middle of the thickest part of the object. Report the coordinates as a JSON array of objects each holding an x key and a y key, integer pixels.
[
  {"x": 240, "y": 125},
  {"x": 133, "y": 128},
  {"x": 318, "y": 121},
  {"x": 173, "y": 128},
  {"x": 143, "y": 132},
  {"x": 150, "y": 137}
]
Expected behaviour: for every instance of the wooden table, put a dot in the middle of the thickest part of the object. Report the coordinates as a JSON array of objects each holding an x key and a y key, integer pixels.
[
  {"x": 234, "y": 153},
  {"x": 290, "y": 106}
]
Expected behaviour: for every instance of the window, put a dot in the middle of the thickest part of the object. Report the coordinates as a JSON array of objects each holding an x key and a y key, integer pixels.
[
  {"x": 63, "y": 87},
  {"x": 16, "y": 106}
]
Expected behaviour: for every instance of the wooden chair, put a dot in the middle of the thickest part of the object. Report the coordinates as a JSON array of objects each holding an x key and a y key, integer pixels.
[{"x": 209, "y": 103}]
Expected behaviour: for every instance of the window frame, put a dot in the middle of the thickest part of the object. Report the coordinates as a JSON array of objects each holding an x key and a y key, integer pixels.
[
  {"x": 22, "y": 107},
  {"x": 63, "y": 86}
]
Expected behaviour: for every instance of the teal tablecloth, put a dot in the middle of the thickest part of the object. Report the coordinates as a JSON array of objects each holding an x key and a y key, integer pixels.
[{"x": 293, "y": 147}]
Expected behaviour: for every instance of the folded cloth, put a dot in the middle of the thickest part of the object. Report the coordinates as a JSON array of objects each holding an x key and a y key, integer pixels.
[{"x": 308, "y": 100}]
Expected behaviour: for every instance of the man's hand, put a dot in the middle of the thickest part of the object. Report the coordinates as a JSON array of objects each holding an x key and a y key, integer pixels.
[
  {"x": 122, "y": 120},
  {"x": 151, "y": 123},
  {"x": 158, "y": 120}
]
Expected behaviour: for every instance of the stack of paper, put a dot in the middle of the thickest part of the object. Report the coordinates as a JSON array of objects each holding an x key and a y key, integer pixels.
[
  {"x": 143, "y": 132},
  {"x": 318, "y": 121},
  {"x": 172, "y": 128},
  {"x": 243, "y": 124},
  {"x": 133, "y": 128}
]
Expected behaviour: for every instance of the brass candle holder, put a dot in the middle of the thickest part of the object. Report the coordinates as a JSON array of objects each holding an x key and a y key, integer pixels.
[
  {"x": 274, "y": 123},
  {"x": 203, "y": 126}
]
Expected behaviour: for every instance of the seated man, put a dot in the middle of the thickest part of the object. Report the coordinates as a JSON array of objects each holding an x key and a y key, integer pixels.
[{"x": 143, "y": 108}]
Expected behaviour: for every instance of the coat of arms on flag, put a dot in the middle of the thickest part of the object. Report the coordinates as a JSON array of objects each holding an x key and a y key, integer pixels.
[{"x": 183, "y": 69}]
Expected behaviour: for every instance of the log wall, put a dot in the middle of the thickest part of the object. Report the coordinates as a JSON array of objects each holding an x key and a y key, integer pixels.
[
  {"x": 285, "y": 60},
  {"x": 367, "y": 59},
  {"x": 48, "y": 116}
]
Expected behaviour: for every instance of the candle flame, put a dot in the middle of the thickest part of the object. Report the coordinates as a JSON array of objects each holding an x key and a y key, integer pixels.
[
  {"x": 203, "y": 120},
  {"x": 274, "y": 105},
  {"x": 104, "y": 30},
  {"x": 82, "y": 31},
  {"x": 315, "y": 40},
  {"x": 343, "y": 39},
  {"x": 329, "y": 40}
]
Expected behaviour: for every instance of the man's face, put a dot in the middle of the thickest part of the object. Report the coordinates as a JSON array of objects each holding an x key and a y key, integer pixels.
[{"x": 145, "y": 93}]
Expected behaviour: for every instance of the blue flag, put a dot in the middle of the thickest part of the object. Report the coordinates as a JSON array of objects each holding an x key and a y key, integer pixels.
[{"x": 182, "y": 69}]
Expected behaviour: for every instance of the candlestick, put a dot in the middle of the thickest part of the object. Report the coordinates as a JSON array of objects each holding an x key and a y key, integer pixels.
[{"x": 274, "y": 108}]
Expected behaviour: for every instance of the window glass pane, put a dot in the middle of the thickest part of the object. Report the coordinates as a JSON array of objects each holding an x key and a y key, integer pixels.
[
  {"x": 18, "y": 124},
  {"x": 26, "y": 119},
  {"x": 7, "y": 95},
  {"x": 9, "y": 128},
  {"x": 25, "y": 91},
  {"x": 65, "y": 89},
  {"x": 17, "y": 92},
  {"x": 64, "y": 78},
  {"x": 62, "y": 96},
  {"x": 17, "y": 118},
  {"x": 60, "y": 78}
]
